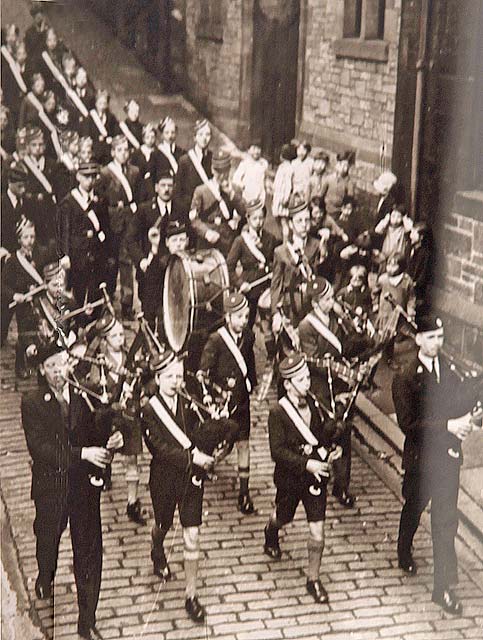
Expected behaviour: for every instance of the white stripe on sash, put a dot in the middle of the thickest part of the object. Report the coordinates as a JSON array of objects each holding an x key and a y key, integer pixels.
[
  {"x": 175, "y": 430},
  {"x": 237, "y": 354},
  {"x": 129, "y": 134},
  {"x": 214, "y": 190},
  {"x": 324, "y": 331},
  {"x": 29, "y": 267}
]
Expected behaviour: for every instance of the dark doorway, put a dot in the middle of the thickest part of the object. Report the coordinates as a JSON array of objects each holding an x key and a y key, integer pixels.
[{"x": 274, "y": 86}]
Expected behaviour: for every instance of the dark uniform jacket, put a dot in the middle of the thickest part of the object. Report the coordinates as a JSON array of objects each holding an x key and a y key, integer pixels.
[
  {"x": 102, "y": 146},
  {"x": 87, "y": 248},
  {"x": 287, "y": 278},
  {"x": 12, "y": 93},
  {"x": 161, "y": 162},
  {"x": 220, "y": 366},
  {"x": 423, "y": 408},
  {"x": 47, "y": 436},
  {"x": 77, "y": 120},
  {"x": 287, "y": 444},
  {"x": 252, "y": 268},
  {"x": 187, "y": 178},
  {"x": 136, "y": 128},
  {"x": 10, "y": 216},
  {"x": 42, "y": 203},
  {"x": 148, "y": 215},
  {"x": 164, "y": 448},
  {"x": 210, "y": 216}
]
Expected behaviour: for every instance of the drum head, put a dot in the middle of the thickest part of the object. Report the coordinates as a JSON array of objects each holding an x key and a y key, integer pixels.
[{"x": 176, "y": 303}]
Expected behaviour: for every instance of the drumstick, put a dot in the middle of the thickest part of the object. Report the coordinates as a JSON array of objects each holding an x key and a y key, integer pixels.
[{"x": 255, "y": 283}]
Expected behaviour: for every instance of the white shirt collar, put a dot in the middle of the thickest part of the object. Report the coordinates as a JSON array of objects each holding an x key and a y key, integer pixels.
[
  {"x": 13, "y": 198},
  {"x": 169, "y": 147},
  {"x": 164, "y": 207},
  {"x": 429, "y": 362}
]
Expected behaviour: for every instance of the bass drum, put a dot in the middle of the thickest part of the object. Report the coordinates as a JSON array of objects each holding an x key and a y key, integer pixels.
[{"x": 194, "y": 285}]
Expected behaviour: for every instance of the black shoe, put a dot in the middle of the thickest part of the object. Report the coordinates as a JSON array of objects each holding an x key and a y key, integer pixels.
[
  {"x": 344, "y": 498},
  {"x": 407, "y": 564},
  {"x": 245, "y": 504},
  {"x": 134, "y": 513},
  {"x": 317, "y": 591},
  {"x": 194, "y": 609},
  {"x": 90, "y": 633},
  {"x": 162, "y": 570},
  {"x": 448, "y": 601},
  {"x": 272, "y": 547},
  {"x": 43, "y": 590}
]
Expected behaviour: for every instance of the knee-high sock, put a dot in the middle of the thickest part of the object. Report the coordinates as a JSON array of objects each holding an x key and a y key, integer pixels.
[
  {"x": 243, "y": 451},
  {"x": 191, "y": 555},
  {"x": 315, "y": 549},
  {"x": 132, "y": 478}
]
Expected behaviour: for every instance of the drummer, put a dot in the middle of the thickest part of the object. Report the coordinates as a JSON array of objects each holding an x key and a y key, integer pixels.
[
  {"x": 228, "y": 361},
  {"x": 253, "y": 251}
]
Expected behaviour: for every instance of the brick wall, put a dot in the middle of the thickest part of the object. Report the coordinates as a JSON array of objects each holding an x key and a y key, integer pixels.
[
  {"x": 460, "y": 290},
  {"x": 213, "y": 66},
  {"x": 349, "y": 102}
]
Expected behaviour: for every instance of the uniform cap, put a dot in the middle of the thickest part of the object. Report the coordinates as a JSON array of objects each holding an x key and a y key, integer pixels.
[
  {"x": 165, "y": 121},
  {"x": 33, "y": 134},
  {"x": 51, "y": 270},
  {"x": 175, "y": 227},
  {"x": 429, "y": 322},
  {"x": 253, "y": 205},
  {"x": 105, "y": 323},
  {"x": 234, "y": 302},
  {"x": 296, "y": 206},
  {"x": 118, "y": 140},
  {"x": 200, "y": 124},
  {"x": 161, "y": 361},
  {"x": 22, "y": 224},
  {"x": 292, "y": 365},
  {"x": 67, "y": 137},
  {"x": 46, "y": 351},
  {"x": 318, "y": 288},
  {"x": 88, "y": 168},
  {"x": 17, "y": 173},
  {"x": 221, "y": 160},
  {"x": 384, "y": 182}
]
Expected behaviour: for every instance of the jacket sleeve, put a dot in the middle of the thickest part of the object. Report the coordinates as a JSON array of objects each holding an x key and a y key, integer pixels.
[
  {"x": 134, "y": 227},
  {"x": 210, "y": 355},
  {"x": 234, "y": 256},
  {"x": 308, "y": 340},
  {"x": 197, "y": 204},
  {"x": 42, "y": 449},
  {"x": 159, "y": 445},
  {"x": 279, "y": 449},
  {"x": 276, "y": 286}
]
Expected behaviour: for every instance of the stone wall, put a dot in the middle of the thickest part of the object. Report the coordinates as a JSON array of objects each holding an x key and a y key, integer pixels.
[
  {"x": 213, "y": 63},
  {"x": 460, "y": 289},
  {"x": 349, "y": 92}
]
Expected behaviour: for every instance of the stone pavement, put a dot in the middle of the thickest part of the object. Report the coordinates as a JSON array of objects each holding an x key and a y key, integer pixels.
[{"x": 247, "y": 596}]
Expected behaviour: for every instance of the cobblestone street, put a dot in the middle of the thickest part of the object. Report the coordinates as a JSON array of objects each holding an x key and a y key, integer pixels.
[{"x": 247, "y": 596}]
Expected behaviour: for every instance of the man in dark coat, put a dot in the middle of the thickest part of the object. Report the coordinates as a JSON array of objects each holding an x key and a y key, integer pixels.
[
  {"x": 59, "y": 431},
  {"x": 121, "y": 184},
  {"x": 228, "y": 361},
  {"x": 428, "y": 395},
  {"x": 302, "y": 445},
  {"x": 85, "y": 235}
]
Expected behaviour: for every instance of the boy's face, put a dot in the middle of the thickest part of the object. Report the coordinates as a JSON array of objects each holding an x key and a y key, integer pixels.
[
  {"x": 319, "y": 165},
  {"x": 27, "y": 239},
  {"x": 342, "y": 167},
  {"x": 115, "y": 337},
  {"x": 301, "y": 152},
  {"x": 203, "y": 137},
  {"x": 238, "y": 320},
  {"x": 300, "y": 223},
  {"x": 81, "y": 78},
  {"x": 326, "y": 304},
  {"x": 21, "y": 54},
  {"x": 169, "y": 380},
  {"x": 133, "y": 111},
  {"x": 346, "y": 210},
  {"x": 414, "y": 235},
  {"x": 255, "y": 151},
  {"x": 149, "y": 137},
  {"x": 177, "y": 243},
  {"x": 392, "y": 267},
  {"x": 38, "y": 86},
  {"x": 316, "y": 215},
  {"x": 102, "y": 103},
  {"x": 169, "y": 133},
  {"x": 256, "y": 220},
  {"x": 358, "y": 277},
  {"x": 121, "y": 153},
  {"x": 396, "y": 218}
]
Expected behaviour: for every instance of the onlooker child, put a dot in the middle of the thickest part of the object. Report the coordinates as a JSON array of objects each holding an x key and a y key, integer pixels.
[
  {"x": 302, "y": 166},
  {"x": 395, "y": 227},
  {"x": 251, "y": 173},
  {"x": 282, "y": 188}
]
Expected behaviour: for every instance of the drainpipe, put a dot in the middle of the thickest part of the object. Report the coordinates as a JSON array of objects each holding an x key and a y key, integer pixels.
[{"x": 419, "y": 102}]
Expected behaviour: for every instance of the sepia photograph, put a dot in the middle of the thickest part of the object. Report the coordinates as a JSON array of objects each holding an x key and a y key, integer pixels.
[{"x": 241, "y": 364}]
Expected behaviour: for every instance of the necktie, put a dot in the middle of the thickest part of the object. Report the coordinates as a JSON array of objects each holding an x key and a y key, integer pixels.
[{"x": 434, "y": 372}]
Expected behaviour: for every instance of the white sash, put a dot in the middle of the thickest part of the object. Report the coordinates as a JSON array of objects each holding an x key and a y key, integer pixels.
[
  {"x": 50, "y": 318},
  {"x": 98, "y": 122},
  {"x": 324, "y": 331},
  {"x": 38, "y": 174},
  {"x": 67, "y": 162},
  {"x": 178, "y": 434},
  {"x": 29, "y": 268},
  {"x": 129, "y": 134},
  {"x": 114, "y": 169},
  {"x": 14, "y": 69},
  {"x": 77, "y": 100},
  {"x": 171, "y": 159},
  {"x": 75, "y": 193},
  {"x": 237, "y": 354},
  {"x": 214, "y": 190},
  {"x": 254, "y": 250},
  {"x": 297, "y": 420},
  {"x": 297, "y": 260}
]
